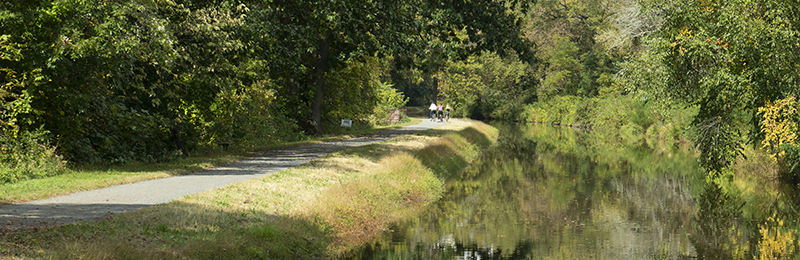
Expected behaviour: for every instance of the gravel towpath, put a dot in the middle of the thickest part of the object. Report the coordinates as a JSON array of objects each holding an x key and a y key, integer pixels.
[{"x": 101, "y": 203}]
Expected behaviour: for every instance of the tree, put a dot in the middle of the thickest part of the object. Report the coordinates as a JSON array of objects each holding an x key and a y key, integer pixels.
[
  {"x": 728, "y": 58},
  {"x": 123, "y": 81},
  {"x": 630, "y": 23},
  {"x": 487, "y": 86},
  {"x": 328, "y": 35},
  {"x": 573, "y": 62}
]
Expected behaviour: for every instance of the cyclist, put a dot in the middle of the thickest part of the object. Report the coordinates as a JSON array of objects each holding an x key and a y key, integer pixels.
[
  {"x": 441, "y": 113},
  {"x": 433, "y": 110},
  {"x": 447, "y": 113}
]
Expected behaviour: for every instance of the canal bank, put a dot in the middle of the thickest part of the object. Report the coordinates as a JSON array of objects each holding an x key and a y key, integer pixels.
[{"x": 317, "y": 210}]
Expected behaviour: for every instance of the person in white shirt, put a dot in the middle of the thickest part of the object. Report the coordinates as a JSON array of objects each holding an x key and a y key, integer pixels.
[{"x": 433, "y": 108}]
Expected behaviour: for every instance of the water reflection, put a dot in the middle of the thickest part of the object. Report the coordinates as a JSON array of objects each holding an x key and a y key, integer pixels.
[
  {"x": 546, "y": 192},
  {"x": 717, "y": 229}
]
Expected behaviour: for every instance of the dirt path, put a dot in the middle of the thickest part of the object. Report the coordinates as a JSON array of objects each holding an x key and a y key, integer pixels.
[{"x": 102, "y": 203}]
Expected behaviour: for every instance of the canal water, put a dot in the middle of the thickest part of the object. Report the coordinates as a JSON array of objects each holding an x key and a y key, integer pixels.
[{"x": 556, "y": 193}]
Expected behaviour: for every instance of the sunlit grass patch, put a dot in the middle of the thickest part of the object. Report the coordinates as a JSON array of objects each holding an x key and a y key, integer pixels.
[{"x": 374, "y": 152}]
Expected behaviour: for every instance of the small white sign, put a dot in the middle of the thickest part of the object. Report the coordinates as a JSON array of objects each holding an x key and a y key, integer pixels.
[{"x": 347, "y": 122}]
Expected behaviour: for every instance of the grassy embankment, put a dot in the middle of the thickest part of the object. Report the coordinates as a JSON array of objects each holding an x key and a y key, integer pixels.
[
  {"x": 754, "y": 177},
  {"x": 84, "y": 178},
  {"x": 321, "y": 209}
]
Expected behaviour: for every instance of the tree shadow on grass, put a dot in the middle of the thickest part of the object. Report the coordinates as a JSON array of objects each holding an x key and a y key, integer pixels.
[
  {"x": 441, "y": 159},
  {"x": 444, "y": 160},
  {"x": 475, "y": 137}
]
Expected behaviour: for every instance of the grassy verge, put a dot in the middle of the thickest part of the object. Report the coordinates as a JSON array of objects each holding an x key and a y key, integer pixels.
[
  {"x": 93, "y": 177},
  {"x": 319, "y": 210}
]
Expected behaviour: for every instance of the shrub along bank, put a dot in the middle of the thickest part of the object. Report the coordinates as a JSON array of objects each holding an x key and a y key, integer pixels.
[
  {"x": 617, "y": 117},
  {"x": 321, "y": 209},
  {"x": 626, "y": 119}
]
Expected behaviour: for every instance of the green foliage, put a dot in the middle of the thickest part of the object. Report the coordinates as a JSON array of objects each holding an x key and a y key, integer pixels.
[
  {"x": 461, "y": 86},
  {"x": 355, "y": 93},
  {"x": 561, "y": 75},
  {"x": 728, "y": 58},
  {"x": 249, "y": 117},
  {"x": 623, "y": 118},
  {"x": 639, "y": 114},
  {"x": 389, "y": 101},
  {"x": 120, "y": 80},
  {"x": 561, "y": 110},
  {"x": 572, "y": 61},
  {"x": 486, "y": 86},
  {"x": 791, "y": 160},
  {"x": 27, "y": 155},
  {"x": 390, "y": 98},
  {"x": 24, "y": 152}
]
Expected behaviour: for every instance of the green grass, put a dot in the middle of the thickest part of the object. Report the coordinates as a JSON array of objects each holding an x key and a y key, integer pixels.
[
  {"x": 92, "y": 177},
  {"x": 321, "y": 209}
]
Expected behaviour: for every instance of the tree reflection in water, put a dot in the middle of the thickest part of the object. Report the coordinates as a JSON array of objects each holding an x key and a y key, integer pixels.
[
  {"x": 716, "y": 227},
  {"x": 545, "y": 192}
]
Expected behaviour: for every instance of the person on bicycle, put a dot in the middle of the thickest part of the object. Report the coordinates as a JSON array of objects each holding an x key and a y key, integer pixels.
[
  {"x": 441, "y": 112},
  {"x": 433, "y": 109},
  {"x": 447, "y": 112}
]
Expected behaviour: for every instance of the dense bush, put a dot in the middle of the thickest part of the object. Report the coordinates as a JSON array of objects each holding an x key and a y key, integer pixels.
[
  {"x": 389, "y": 101},
  {"x": 562, "y": 110},
  {"x": 24, "y": 151},
  {"x": 622, "y": 117},
  {"x": 250, "y": 117},
  {"x": 780, "y": 122},
  {"x": 27, "y": 155},
  {"x": 791, "y": 161}
]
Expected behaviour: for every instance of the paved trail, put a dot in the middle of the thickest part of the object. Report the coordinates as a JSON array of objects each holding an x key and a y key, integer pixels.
[{"x": 101, "y": 203}]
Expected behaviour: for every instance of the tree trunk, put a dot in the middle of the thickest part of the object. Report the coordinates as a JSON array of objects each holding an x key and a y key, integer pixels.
[
  {"x": 319, "y": 79},
  {"x": 176, "y": 133},
  {"x": 435, "y": 88}
]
